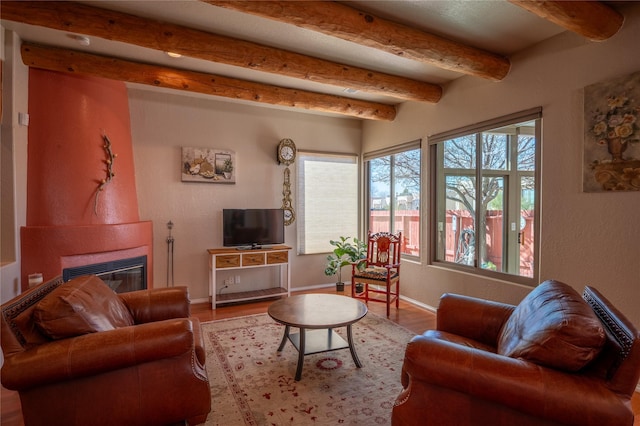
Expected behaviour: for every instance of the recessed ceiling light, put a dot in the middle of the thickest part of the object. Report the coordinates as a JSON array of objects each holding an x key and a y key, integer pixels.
[{"x": 173, "y": 54}]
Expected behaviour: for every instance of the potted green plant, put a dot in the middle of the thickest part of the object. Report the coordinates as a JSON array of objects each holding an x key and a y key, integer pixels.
[{"x": 344, "y": 253}]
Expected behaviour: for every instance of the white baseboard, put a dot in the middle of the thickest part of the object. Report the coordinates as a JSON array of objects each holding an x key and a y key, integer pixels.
[
  {"x": 346, "y": 286},
  {"x": 419, "y": 304},
  {"x": 311, "y": 287}
]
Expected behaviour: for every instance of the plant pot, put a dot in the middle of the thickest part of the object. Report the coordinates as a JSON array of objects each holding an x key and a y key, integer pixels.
[{"x": 339, "y": 286}]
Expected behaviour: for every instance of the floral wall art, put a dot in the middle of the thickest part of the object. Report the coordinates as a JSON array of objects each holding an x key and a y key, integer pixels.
[
  {"x": 208, "y": 165},
  {"x": 612, "y": 135}
]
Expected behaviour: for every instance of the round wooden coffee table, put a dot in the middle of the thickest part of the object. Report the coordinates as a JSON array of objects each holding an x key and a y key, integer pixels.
[{"x": 320, "y": 314}]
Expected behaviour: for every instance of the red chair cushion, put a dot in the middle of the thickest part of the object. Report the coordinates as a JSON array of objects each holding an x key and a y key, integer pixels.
[{"x": 376, "y": 274}]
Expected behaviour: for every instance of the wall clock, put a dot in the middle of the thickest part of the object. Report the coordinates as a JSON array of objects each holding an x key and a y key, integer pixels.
[
  {"x": 286, "y": 152},
  {"x": 286, "y": 156}
]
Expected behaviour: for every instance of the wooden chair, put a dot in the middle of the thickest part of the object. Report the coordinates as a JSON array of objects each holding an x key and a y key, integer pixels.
[{"x": 381, "y": 272}]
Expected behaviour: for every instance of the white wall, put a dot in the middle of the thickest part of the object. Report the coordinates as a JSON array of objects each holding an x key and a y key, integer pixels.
[
  {"x": 15, "y": 100},
  {"x": 586, "y": 238},
  {"x": 164, "y": 122}
]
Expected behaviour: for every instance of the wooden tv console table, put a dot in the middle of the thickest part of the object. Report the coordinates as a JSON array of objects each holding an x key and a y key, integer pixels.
[{"x": 230, "y": 258}]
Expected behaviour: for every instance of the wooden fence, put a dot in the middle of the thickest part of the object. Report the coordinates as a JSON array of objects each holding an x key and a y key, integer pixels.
[{"x": 408, "y": 221}]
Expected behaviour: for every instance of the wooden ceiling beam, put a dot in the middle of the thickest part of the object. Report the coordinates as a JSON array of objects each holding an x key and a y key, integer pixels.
[
  {"x": 591, "y": 19},
  {"x": 70, "y": 61},
  {"x": 347, "y": 23},
  {"x": 88, "y": 20}
]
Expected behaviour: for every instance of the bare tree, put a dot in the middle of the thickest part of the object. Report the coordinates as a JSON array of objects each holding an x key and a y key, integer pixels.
[
  {"x": 406, "y": 170},
  {"x": 460, "y": 159}
]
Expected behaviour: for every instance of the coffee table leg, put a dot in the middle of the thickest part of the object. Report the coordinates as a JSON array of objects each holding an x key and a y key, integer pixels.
[
  {"x": 352, "y": 348},
  {"x": 300, "y": 355},
  {"x": 284, "y": 338}
]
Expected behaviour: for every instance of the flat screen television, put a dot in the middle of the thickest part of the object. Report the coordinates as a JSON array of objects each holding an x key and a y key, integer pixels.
[{"x": 252, "y": 228}]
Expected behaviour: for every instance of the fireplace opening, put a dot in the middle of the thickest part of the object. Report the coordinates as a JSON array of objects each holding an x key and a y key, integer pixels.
[{"x": 121, "y": 276}]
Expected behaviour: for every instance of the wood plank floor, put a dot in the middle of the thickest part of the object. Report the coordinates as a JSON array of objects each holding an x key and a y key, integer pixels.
[{"x": 408, "y": 316}]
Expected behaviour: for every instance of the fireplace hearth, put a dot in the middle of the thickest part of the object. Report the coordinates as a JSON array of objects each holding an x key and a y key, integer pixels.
[{"x": 120, "y": 275}]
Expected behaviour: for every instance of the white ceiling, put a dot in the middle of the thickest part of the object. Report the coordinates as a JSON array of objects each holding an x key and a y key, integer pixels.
[{"x": 493, "y": 25}]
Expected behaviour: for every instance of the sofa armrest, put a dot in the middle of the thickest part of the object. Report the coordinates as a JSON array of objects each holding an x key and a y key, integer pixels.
[
  {"x": 478, "y": 319},
  {"x": 157, "y": 304},
  {"x": 97, "y": 353},
  {"x": 515, "y": 383}
]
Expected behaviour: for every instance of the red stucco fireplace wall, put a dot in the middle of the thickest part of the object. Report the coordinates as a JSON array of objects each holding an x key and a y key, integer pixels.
[{"x": 66, "y": 224}]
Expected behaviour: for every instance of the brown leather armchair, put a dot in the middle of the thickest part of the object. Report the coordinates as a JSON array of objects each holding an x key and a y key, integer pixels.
[
  {"x": 568, "y": 370},
  {"x": 148, "y": 371}
]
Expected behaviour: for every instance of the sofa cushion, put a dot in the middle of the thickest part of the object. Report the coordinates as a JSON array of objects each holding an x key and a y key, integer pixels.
[
  {"x": 553, "y": 326},
  {"x": 80, "y": 306}
]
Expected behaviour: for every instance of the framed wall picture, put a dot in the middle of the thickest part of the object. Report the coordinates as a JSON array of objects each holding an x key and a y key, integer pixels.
[
  {"x": 208, "y": 165},
  {"x": 612, "y": 135}
]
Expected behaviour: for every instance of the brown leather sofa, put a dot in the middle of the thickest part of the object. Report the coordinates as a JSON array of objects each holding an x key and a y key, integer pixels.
[
  {"x": 555, "y": 359},
  {"x": 78, "y": 354}
]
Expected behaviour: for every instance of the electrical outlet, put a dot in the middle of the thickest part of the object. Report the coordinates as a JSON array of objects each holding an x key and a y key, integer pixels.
[{"x": 228, "y": 281}]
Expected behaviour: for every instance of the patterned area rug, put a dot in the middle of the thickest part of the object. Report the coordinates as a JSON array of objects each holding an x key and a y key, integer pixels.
[{"x": 253, "y": 384}]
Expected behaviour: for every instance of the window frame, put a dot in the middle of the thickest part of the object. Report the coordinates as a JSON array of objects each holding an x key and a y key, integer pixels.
[
  {"x": 415, "y": 144},
  {"x": 437, "y": 173}
]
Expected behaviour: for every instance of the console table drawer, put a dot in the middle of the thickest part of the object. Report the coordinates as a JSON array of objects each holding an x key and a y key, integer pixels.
[
  {"x": 251, "y": 259},
  {"x": 277, "y": 257},
  {"x": 228, "y": 261}
]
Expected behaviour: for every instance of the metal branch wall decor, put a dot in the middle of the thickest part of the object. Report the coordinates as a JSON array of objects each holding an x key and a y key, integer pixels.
[{"x": 110, "y": 174}]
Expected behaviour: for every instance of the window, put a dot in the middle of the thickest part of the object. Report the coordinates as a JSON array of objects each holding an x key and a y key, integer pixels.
[
  {"x": 327, "y": 206},
  {"x": 393, "y": 193},
  {"x": 486, "y": 196}
]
